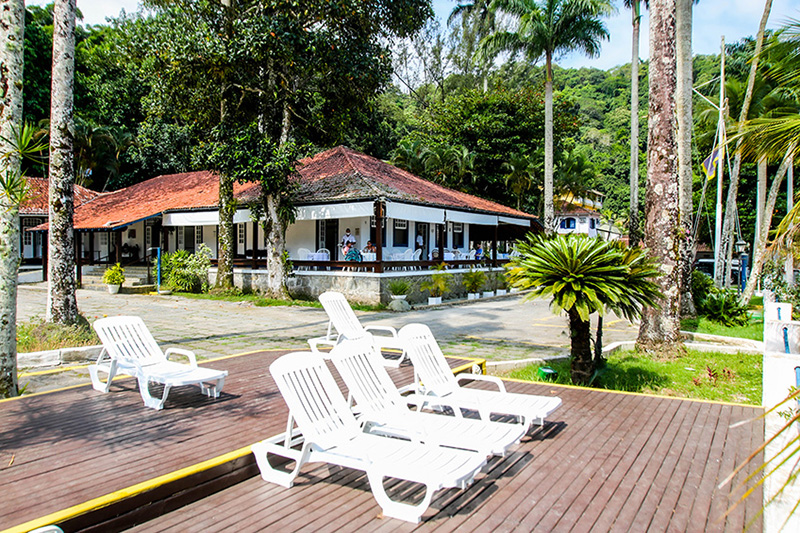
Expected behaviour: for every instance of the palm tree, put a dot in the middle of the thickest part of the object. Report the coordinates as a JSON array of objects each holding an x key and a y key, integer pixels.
[
  {"x": 584, "y": 275},
  {"x": 12, "y": 30},
  {"x": 633, "y": 218},
  {"x": 574, "y": 173},
  {"x": 661, "y": 330},
  {"x": 477, "y": 22},
  {"x": 62, "y": 306},
  {"x": 410, "y": 155},
  {"x": 520, "y": 176},
  {"x": 547, "y": 28}
]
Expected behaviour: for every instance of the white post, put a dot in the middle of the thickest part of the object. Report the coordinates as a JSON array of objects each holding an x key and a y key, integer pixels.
[{"x": 720, "y": 165}]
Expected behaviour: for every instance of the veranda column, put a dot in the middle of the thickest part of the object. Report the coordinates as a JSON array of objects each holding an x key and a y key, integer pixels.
[{"x": 379, "y": 235}]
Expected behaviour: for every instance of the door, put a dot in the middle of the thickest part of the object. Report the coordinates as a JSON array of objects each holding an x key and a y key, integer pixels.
[{"x": 422, "y": 229}]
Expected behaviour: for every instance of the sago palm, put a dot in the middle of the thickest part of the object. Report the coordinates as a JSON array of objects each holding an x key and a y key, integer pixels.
[{"x": 583, "y": 275}]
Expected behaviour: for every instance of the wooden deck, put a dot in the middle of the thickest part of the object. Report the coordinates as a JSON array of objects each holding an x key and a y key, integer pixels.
[{"x": 605, "y": 462}]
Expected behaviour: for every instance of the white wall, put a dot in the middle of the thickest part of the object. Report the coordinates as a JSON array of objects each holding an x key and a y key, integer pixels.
[{"x": 301, "y": 234}]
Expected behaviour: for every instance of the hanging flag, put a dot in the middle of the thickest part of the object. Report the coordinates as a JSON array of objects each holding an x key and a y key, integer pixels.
[{"x": 710, "y": 164}]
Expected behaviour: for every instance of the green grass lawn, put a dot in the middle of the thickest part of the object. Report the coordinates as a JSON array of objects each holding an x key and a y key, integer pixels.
[
  {"x": 754, "y": 330},
  {"x": 701, "y": 375}
]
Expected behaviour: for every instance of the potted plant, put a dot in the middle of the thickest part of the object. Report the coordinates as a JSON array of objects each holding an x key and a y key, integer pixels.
[
  {"x": 114, "y": 277},
  {"x": 489, "y": 293},
  {"x": 473, "y": 281},
  {"x": 511, "y": 288},
  {"x": 399, "y": 289},
  {"x": 438, "y": 284},
  {"x": 501, "y": 285}
]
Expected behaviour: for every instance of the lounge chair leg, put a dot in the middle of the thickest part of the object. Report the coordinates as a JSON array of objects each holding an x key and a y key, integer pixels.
[
  {"x": 213, "y": 390},
  {"x": 401, "y": 511},
  {"x": 149, "y": 401},
  {"x": 262, "y": 450},
  {"x": 97, "y": 384}
]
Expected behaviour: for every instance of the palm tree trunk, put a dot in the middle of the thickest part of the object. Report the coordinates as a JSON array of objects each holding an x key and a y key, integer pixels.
[
  {"x": 660, "y": 328},
  {"x": 684, "y": 108},
  {"x": 12, "y": 29},
  {"x": 582, "y": 366},
  {"x": 549, "y": 211},
  {"x": 759, "y": 252},
  {"x": 62, "y": 306},
  {"x": 733, "y": 188},
  {"x": 633, "y": 217},
  {"x": 761, "y": 199}
]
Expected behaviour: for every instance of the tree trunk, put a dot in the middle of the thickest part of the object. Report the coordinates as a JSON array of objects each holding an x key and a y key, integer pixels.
[
  {"x": 598, "y": 343},
  {"x": 633, "y": 217},
  {"x": 582, "y": 366},
  {"x": 761, "y": 200},
  {"x": 227, "y": 204},
  {"x": 789, "y": 265},
  {"x": 684, "y": 109},
  {"x": 759, "y": 252},
  {"x": 62, "y": 306},
  {"x": 12, "y": 29},
  {"x": 275, "y": 233},
  {"x": 660, "y": 328},
  {"x": 733, "y": 188},
  {"x": 549, "y": 211}
]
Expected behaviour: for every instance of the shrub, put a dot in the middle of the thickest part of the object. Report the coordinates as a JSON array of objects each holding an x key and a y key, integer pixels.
[
  {"x": 186, "y": 272},
  {"x": 724, "y": 307},
  {"x": 702, "y": 286},
  {"x": 114, "y": 275},
  {"x": 439, "y": 282},
  {"x": 399, "y": 287},
  {"x": 36, "y": 335},
  {"x": 473, "y": 280}
]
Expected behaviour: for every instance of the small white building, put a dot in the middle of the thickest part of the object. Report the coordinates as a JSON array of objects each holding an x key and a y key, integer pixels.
[{"x": 579, "y": 215}]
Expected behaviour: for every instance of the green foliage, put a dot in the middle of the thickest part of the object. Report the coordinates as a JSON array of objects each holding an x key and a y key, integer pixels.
[
  {"x": 702, "y": 286},
  {"x": 186, "y": 272},
  {"x": 399, "y": 287},
  {"x": 439, "y": 283},
  {"x": 723, "y": 306},
  {"x": 114, "y": 275},
  {"x": 36, "y": 335},
  {"x": 473, "y": 280}
]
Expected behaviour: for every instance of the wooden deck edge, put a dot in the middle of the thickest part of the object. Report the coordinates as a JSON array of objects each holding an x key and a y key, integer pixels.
[{"x": 138, "y": 503}]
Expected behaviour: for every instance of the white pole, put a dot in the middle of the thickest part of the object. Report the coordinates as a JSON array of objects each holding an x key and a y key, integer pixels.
[
  {"x": 721, "y": 163},
  {"x": 789, "y": 205}
]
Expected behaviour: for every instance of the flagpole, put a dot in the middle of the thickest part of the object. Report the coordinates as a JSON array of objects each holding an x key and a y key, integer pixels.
[{"x": 720, "y": 163}]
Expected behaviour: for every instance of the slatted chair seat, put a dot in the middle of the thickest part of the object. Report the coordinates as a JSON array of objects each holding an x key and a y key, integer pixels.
[
  {"x": 327, "y": 431},
  {"x": 434, "y": 380},
  {"x": 129, "y": 347},
  {"x": 344, "y": 321},
  {"x": 383, "y": 410}
]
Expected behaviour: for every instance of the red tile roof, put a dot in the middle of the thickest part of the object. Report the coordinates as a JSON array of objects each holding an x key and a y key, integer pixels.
[
  {"x": 339, "y": 174},
  {"x": 344, "y": 174},
  {"x": 37, "y": 203}
]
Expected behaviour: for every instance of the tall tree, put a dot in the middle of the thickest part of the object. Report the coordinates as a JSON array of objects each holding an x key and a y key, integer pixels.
[
  {"x": 546, "y": 28},
  {"x": 726, "y": 245},
  {"x": 62, "y": 305},
  {"x": 684, "y": 109},
  {"x": 660, "y": 330},
  {"x": 633, "y": 216},
  {"x": 12, "y": 29}
]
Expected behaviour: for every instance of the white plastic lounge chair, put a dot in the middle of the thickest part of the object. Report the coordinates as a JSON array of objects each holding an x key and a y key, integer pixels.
[
  {"x": 129, "y": 347},
  {"x": 344, "y": 320},
  {"x": 433, "y": 377},
  {"x": 328, "y": 432},
  {"x": 382, "y": 410}
]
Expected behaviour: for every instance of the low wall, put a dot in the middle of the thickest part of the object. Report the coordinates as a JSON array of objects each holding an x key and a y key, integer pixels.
[{"x": 366, "y": 288}]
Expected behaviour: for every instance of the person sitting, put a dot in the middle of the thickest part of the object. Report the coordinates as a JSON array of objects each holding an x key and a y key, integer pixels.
[
  {"x": 479, "y": 252},
  {"x": 353, "y": 254},
  {"x": 369, "y": 248}
]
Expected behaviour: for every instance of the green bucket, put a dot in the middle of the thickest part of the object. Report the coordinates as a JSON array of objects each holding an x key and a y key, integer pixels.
[{"x": 547, "y": 373}]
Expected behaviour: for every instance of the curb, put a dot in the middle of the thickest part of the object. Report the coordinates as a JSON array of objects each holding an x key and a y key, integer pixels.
[{"x": 58, "y": 357}]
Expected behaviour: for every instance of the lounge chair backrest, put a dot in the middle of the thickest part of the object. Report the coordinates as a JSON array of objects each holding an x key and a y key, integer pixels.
[
  {"x": 315, "y": 401},
  {"x": 471, "y": 254},
  {"x": 430, "y": 365},
  {"x": 362, "y": 370},
  {"x": 408, "y": 254},
  {"x": 341, "y": 314},
  {"x": 417, "y": 255},
  {"x": 127, "y": 339},
  {"x": 302, "y": 253}
]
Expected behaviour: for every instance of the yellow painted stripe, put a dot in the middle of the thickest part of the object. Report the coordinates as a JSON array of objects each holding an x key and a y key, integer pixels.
[
  {"x": 578, "y": 387},
  {"x": 118, "y": 376},
  {"x": 52, "y": 371},
  {"x": 108, "y": 499}
]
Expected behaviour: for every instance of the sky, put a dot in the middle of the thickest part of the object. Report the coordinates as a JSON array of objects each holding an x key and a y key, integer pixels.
[{"x": 734, "y": 19}]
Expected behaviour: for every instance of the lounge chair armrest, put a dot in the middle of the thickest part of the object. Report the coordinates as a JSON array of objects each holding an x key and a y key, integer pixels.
[
  {"x": 388, "y": 329},
  {"x": 421, "y": 400},
  {"x": 480, "y": 377},
  {"x": 179, "y": 351}
]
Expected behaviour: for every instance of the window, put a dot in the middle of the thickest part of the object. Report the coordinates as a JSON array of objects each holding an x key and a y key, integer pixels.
[
  {"x": 198, "y": 235},
  {"x": 27, "y": 236},
  {"x": 458, "y": 235},
  {"x": 240, "y": 233},
  {"x": 372, "y": 236},
  {"x": 104, "y": 239},
  {"x": 592, "y": 223},
  {"x": 321, "y": 234},
  {"x": 400, "y": 237},
  {"x": 583, "y": 220},
  {"x": 181, "y": 238},
  {"x": 148, "y": 237},
  {"x": 568, "y": 223}
]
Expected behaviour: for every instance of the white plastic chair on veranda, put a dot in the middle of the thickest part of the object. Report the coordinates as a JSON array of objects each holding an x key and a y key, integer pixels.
[
  {"x": 327, "y": 431},
  {"x": 129, "y": 347},
  {"x": 344, "y": 320},
  {"x": 433, "y": 377},
  {"x": 381, "y": 409}
]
